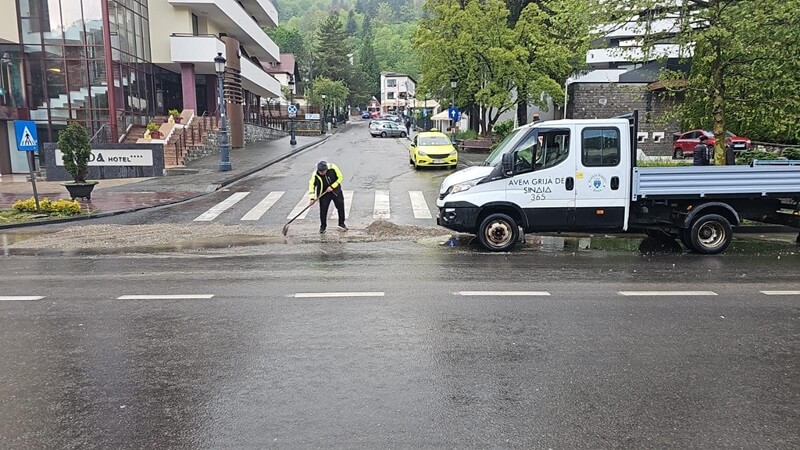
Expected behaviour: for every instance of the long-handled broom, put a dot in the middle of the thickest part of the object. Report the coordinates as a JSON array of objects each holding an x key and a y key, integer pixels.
[{"x": 286, "y": 227}]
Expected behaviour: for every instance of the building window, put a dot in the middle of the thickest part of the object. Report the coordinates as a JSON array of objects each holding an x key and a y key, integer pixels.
[
  {"x": 195, "y": 25},
  {"x": 600, "y": 147},
  {"x": 391, "y": 82},
  {"x": 390, "y": 95}
]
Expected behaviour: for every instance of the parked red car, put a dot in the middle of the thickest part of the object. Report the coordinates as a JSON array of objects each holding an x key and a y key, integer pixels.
[{"x": 684, "y": 145}]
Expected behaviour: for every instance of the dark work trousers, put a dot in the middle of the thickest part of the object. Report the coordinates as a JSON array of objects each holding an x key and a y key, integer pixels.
[{"x": 338, "y": 199}]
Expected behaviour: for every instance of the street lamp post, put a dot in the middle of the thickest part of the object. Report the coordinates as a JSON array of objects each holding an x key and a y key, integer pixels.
[
  {"x": 292, "y": 139},
  {"x": 454, "y": 85},
  {"x": 224, "y": 146},
  {"x": 323, "y": 96}
]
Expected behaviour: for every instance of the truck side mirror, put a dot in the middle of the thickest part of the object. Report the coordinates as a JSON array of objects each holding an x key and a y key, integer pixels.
[{"x": 508, "y": 164}]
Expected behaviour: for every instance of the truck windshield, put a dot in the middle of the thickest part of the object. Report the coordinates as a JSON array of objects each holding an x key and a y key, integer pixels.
[{"x": 496, "y": 156}]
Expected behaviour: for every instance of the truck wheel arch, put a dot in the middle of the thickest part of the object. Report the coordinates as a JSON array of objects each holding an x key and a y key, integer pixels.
[
  {"x": 723, "y": 209},
  {"x": 510, "y": 209}
]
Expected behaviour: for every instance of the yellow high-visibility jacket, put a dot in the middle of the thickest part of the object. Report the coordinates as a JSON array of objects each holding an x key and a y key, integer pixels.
[{"x": 316, "y": 185}]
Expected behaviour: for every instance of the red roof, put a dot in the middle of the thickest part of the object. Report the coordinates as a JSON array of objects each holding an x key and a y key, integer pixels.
[{"x": 286, "y": 64}]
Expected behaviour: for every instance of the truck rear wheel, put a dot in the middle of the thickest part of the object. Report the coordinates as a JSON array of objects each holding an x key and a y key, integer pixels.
[
  {"x": 498, "y": 232},
  {"x": 710, "y": 234}
]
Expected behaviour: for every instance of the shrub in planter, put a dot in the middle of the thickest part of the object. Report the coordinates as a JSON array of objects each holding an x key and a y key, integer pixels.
[
  {"x": 176, "y": 115},
  {"x": 153, "y": 129},
  {"x": 75, "y": 151}
]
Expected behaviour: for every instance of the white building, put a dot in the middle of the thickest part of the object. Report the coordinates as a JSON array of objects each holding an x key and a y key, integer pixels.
[{"x": 397, "y": 92}]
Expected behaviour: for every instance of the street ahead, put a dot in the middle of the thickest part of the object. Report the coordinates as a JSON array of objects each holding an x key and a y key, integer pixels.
[{"x": 395, "y": 343}]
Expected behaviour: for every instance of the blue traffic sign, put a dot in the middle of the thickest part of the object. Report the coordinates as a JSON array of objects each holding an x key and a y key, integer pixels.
[
  {"x": 454, "y": 113},
  {"x": 27, "y": 138}
]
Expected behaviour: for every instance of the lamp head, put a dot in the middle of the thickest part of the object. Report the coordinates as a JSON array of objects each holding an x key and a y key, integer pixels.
[{"x": 219, "y": 63}]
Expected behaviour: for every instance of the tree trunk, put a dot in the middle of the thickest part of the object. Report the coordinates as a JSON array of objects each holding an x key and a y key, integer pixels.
[
  {"x": 718, "y": 107},
  {"x": 522, "y": 106}
]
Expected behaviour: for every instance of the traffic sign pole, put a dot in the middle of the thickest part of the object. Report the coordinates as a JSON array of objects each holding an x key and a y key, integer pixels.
[{"x": 33, "y": 180}]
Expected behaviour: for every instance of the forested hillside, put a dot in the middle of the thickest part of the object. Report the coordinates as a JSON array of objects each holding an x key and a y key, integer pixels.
[{"x": 377, "y": 33}]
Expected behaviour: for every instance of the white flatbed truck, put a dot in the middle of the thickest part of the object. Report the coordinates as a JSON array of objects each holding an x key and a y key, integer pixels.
[{"x": 581, "y": 175}]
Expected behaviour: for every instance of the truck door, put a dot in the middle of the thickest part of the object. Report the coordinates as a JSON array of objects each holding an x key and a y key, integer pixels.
[
  {"x": 543, "y": 184},
  {"x": 601, "y": 185}
]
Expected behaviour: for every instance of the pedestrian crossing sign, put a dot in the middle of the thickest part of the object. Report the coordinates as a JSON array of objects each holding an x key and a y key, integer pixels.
[{"x": 27, "y": 138}]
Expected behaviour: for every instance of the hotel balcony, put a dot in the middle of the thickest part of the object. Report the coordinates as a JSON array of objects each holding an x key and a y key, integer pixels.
[
  {"x": 201, "y": 50},
  {"x": 238, "y": 23}
]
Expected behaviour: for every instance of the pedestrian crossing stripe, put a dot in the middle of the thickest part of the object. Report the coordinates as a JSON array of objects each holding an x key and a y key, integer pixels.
[
  {"x": 263, "y": 206},
  {"x": 381, "y": 206},
  {"x": 220, "y": 207}
]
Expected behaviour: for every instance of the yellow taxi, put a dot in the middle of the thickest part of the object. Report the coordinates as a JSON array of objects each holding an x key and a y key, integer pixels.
[{"x": 432, "y": 148}]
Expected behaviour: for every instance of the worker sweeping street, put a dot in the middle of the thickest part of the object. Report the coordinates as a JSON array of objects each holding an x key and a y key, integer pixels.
[{"x": 326, "y": 185}]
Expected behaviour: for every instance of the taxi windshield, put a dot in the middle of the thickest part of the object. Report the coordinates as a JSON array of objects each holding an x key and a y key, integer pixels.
[{"x": 433, "y": 140}]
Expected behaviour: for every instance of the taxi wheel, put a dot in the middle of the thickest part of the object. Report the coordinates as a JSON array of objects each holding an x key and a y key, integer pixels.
[{"x": 498, "y": 232}]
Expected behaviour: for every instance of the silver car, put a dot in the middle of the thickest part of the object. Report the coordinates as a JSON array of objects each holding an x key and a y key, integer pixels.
[{"x": 390, "y": 129}]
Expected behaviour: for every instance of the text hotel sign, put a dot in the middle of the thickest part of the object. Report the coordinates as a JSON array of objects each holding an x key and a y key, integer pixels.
[{"x": 103, "y": 157}]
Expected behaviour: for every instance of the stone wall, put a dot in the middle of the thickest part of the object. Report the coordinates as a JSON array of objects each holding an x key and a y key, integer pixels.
[
  {"x": 604, "y": 100},
  {"x": 252, "y": 133}
]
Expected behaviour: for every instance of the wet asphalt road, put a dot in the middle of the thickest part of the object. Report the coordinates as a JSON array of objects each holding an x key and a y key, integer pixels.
[
  {"x": 369, "y": 165},
  {"x": 420, "y": 366}
]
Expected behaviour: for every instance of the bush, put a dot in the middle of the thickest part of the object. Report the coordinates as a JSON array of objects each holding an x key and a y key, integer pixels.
[
  {"x": 501, "y": 129},
  {"x": 73, "y": 142},
  {"x": 56, "y": 208},
  {"x": 746, "y": 158},
  {"x": 468, "y": 134},
  {"x": 174, "y": 113},
  {"x": 791, "y": 153},
  {"x": 152, "y": 126}
]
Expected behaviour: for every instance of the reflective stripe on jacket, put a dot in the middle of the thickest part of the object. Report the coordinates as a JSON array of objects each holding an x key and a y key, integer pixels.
[{"x": 315, "y": 184}]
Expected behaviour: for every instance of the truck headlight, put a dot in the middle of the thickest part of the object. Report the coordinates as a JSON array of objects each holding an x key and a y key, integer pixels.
[{"x": 461, "y": 187}]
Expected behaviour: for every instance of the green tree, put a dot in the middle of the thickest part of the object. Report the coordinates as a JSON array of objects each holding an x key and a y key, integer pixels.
[
  {"x": 73, "y": 142},
  {"x": 745, "y": 65},
  {"x": 331, "y": 50},
  {"x": 288, "y": 40},
  {"x": 369, "y": 68},
  {"x": 352, "y": 27}
]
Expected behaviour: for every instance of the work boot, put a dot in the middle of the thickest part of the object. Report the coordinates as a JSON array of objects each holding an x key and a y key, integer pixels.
[
  {"x": 343, "y": 227},
  {"x": 322, "y": 230}
]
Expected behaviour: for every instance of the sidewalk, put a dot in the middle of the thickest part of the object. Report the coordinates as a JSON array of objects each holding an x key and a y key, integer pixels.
[{"x": 113, "y": 196}]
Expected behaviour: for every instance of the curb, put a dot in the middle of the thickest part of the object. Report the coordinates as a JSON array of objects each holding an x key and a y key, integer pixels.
[{"x": 219, "y": 185}]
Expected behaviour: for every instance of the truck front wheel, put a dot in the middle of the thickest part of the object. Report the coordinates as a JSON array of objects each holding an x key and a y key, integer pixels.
[
  {"x": 710, "y": 234},
  {"x": 498, "y": 232}
]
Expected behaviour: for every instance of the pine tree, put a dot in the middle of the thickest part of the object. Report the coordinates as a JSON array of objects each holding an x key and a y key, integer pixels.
[{"x": 331, "y": 51}]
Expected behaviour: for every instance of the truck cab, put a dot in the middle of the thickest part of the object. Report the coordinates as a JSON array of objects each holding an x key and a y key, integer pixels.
[{"x": 553, "y": 176}]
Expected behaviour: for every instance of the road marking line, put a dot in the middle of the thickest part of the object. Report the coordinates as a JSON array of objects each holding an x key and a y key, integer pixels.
[
  {"x": 337, "y": 294},
  {"x": 348, "y": 201},
  {"x": 12, "y": 298},
  {"x": 419, "y": 205},
  {"x": 263, "y": 206},
  {"x": 503, "y": 293},
  {"x": 381, "y": 209},
  {"x": 666, "y": 293},
  {"x": 167, "y": 297},
  {"x": 300, "y": 205},
  {"x": 780, "y": 292},
  {"x": 220, "y": 207}
]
